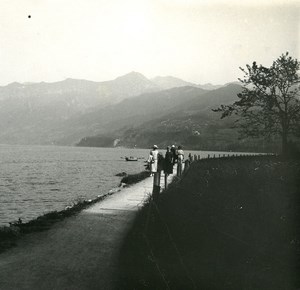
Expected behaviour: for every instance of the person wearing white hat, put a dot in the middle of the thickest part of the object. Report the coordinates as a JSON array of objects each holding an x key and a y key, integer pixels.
[
  {"x": 153, "y": 158},
  {"x": 156, "y": 168}
]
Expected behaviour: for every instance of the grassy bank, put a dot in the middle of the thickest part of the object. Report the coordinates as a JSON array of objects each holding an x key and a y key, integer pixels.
[
  {"x": 9, "y": 235},
  {"x": 227, "y": 224}
]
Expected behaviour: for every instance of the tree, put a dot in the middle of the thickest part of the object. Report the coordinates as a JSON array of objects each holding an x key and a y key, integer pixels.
[{"x": 269, "y": 102}]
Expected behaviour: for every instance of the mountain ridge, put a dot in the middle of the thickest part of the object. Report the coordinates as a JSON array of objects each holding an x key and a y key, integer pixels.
[
  {"x": 66, "y": 111},
  {"x": 191, "y": 123}
]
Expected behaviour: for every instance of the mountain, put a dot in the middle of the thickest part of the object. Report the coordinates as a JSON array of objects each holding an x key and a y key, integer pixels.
[
  {"x": 130, "y": 108},
  {"x": 129, "y": 113},
  {"x": 191, "y": 123},
  {"x": 33, "y": 113},
  {"x": 129, "y": 85},
  {"x": 209, "y": 86},
  {"x": 211, "y": 99},
  {"x": 169, "y": 82},
  {"x": 172, "y": 82},
  {"x": 80, "y": 93}
]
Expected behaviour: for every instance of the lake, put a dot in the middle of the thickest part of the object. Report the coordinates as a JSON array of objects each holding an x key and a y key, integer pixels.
[
  {"x": 35, "y": 180},
  {"x": 38, "y": 179}
]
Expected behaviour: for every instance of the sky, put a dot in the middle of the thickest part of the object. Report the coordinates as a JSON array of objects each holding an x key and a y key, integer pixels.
[{"x": 199, "y": 41}]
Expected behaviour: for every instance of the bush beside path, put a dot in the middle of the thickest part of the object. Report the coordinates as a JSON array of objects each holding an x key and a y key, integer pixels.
[{"x": 229, "y": 223}]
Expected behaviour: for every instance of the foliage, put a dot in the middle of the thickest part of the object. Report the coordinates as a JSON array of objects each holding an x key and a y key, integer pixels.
[
  {"x": 269, "y": 103},
  {"x": 229, "y": 223}
]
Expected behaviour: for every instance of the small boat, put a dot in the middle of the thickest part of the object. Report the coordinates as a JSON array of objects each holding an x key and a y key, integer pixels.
[{"x": 131, "y": 158}]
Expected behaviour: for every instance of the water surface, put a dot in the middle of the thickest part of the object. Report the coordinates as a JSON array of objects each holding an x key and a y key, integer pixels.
[{"x": 35, "y": 180}]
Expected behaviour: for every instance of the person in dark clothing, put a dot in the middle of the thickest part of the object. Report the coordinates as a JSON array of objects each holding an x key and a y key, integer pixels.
[
  {"x": 160, "y": 162},
  {"x": 168, "y": 162},
  {"x": 157, "y": 175},
  {"x": 173, "y": 150}
]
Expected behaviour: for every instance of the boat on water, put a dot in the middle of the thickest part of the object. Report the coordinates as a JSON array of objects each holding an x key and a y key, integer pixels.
[{"x": 131, "y": 158}]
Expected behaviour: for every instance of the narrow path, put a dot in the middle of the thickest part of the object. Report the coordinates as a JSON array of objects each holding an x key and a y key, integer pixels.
[{"x": 80, "y": 252}]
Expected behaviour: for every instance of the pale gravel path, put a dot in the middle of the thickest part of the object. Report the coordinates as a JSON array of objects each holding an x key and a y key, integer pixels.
[{"x": 80, "y": 252}]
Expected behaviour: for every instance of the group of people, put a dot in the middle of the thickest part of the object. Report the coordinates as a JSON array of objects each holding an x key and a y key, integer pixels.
[{"x": 157, "y": 162}]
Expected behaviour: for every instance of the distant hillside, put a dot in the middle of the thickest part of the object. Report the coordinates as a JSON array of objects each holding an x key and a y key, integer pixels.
[
  {"x": 172, "y": 82},
  {"x": 130, "y": 113},
  {"x": 192, "y": 124},
  {"x": 209, "y": 86},
  {"x": 130, "y": 109},
  {"x": 169, "y": 82},
  {"x": 66, "y": 111},
  {"x": 76, "y": 95}
]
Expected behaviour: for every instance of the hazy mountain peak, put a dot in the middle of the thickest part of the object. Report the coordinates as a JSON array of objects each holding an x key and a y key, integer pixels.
[
  {"x": 210, "y": 86},
  {"x": 158, "y": 78},
  {"x": 234, "y": 83},
  {"x": 168, "y": 82},
  {"x": 70, "y": 80},
  {"x": 132, "y": 75},
  {"x": 14, "y": 85}
]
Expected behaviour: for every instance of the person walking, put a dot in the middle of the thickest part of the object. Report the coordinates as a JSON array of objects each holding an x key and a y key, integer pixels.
[
  {"x": 168, "y": 168},
  {"x": 187, "y": 164},
  {"x": 190, "y": 157},
  {"x": 155, "y": 168},
  {"x": 152, "y": 160},
  {"x": 173, "y": 150},
  {"x": 180, "y": 158},
  {"x": 169, "y": 157}
]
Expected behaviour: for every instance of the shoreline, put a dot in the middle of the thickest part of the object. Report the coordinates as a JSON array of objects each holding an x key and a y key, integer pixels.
[
  {"x": 10, "y": 234},
  {"x": 80, "y": 252},
  {"x": 192, "y": 227}
]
